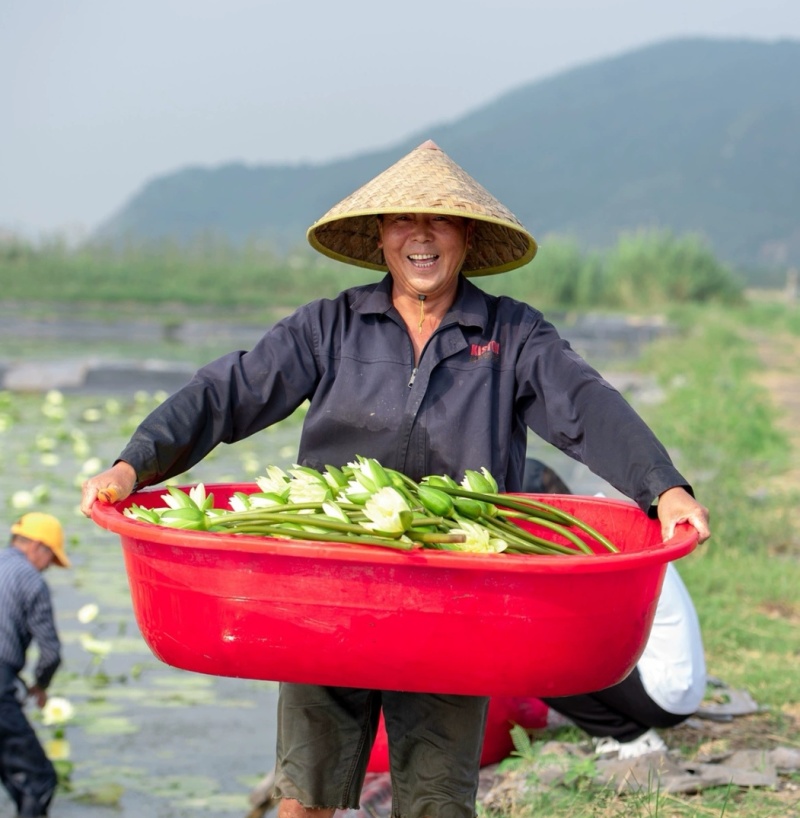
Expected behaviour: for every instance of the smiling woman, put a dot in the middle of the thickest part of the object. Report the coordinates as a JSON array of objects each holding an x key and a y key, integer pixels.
[
  {"x": 424, "y": 253},
  {"x": 442, "y": 396}
]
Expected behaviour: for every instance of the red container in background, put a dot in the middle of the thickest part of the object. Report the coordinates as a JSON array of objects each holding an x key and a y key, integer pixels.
[
  {"x": 504, "y": 713},
  {"x": 372, "y": 617}
]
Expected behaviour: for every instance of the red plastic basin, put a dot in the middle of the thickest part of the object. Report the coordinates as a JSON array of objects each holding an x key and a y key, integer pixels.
[{"x": 366, "y": 616}]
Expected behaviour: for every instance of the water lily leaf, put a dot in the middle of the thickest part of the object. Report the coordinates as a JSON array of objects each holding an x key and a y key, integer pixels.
[
  {"x": 110, "y": 725},
  {"x": 105, "y": 795}
]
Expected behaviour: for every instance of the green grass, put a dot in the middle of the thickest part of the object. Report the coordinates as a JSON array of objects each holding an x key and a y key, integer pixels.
[
  {"x": 643, "y": 271},
  {"x": 745, "y": 580}
]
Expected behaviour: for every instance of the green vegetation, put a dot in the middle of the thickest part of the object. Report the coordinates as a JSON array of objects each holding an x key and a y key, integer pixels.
[
  {"x": 645, "y": 271},
  {"x": 719, "y": 424},
  {"x": 207, "y": 274},
  {"x": 745, "y": 581},
  {"x": 721, "y": 427}
]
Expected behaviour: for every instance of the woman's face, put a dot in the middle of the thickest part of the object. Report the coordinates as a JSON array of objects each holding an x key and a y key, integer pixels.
[{"x": 423, "y": 251}]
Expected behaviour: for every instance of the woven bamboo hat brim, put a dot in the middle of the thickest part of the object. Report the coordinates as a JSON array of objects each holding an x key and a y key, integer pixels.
[{"x": 424, "y": 181}]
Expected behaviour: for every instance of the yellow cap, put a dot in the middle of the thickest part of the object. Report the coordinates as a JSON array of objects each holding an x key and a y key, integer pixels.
[{"x": 46, "y": 529}]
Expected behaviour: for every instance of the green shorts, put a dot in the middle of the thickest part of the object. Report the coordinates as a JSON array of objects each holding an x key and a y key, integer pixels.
[{"x": 325, "y": 736}]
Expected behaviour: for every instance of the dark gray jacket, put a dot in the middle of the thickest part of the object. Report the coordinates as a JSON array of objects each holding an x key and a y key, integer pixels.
[
  {"x": 492, "y": 370},
  {"x": 26, "y": 615}
]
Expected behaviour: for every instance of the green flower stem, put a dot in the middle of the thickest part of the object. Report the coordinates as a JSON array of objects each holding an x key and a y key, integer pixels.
[
  {"x": 510, "y": 530},
  {"x": 516, "y": 544},
  {"x": 521, "y": 541},
  {"x": 276, "y": 518},
  {"x": 237, "y": 516},
  {"x": 436, "y": 538},
  {"x": 275, "y": 531},
  {"x": 506, "y": 502},
  {"x": 537, "y": 509},
  {"x": 422, "y": 521}
]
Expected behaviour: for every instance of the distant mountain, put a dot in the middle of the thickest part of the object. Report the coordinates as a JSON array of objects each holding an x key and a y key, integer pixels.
[{"x": 693, "y": 135}]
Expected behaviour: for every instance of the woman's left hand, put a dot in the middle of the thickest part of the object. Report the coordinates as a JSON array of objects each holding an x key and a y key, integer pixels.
[{"x": 676, "y": 506}]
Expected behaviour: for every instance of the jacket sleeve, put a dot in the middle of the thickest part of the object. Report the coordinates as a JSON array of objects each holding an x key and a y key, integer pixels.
[
  {"x": 43, "y": 630},
  {"x": 569, "y": 404},
  {"x": 230, "y": 399}
]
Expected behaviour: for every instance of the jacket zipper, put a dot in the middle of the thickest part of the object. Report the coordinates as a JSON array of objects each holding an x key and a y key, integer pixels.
[{"x": 413, "y": 377}]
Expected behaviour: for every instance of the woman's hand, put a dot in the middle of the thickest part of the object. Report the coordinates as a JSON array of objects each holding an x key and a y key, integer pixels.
[
  {"x": 676, "y": 506},
  {"x": 110, "y": 486}
]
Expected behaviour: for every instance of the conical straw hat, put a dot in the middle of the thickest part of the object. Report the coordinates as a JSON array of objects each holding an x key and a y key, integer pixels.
[{"x": 424, "y": 181}]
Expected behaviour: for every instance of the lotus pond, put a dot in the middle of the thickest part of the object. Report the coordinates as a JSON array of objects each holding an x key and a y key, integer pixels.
[{"x": 143, "y": 738}]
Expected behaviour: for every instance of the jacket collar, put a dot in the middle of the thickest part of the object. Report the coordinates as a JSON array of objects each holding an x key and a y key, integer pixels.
[{"x": 469, "y": 308}]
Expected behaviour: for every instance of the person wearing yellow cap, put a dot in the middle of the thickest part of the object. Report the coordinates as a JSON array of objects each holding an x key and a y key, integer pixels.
[
  {"x": 26, "y": 615},
  {"x": 429, "y": 374}
]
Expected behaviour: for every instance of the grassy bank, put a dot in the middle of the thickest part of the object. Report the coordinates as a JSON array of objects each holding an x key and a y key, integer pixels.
[
  {"x": 746, "y": 580},
  {"x": 643, "y": 271},
  {"x": 722, "y": 428}
]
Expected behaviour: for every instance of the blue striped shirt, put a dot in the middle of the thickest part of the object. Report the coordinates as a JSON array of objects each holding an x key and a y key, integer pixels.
[{"x": 26, "y": 614}]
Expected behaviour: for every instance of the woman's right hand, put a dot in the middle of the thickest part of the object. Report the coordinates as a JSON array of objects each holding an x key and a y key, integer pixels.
[{"x": 110, "y": 486}]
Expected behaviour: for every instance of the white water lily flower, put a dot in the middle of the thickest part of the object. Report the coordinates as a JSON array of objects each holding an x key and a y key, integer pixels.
[
  {"x": 198, "y": 494},
  {"x": 53, "y": 405},
  {"x": 239, "y": 502},
  {"x": 308, "y": 488},
  {"x": 334, "y": 510},
  {"x": 98, "y": 647},
  {"x": 87, "y": 613},
  {"x": 57, "y": 749},
  {"x": 353, "y": 492},
  {"x": 94, "y": 465},
  {"x": 57, "y": 710},
  {"x": 478, "y": 539},
  {"x": 369, "y": 473},
  {"x": 482, "y": 481},
  {"x": 265, "y": 500},
  {"x": 80, "y": 447},
  {"x": 171, "y": 501},
  {"x": 45, "y": 443},
  {"x": 275, "y": 482},
  {"x": 386, "y": 510},
  {"x": 22, "y": 499}
]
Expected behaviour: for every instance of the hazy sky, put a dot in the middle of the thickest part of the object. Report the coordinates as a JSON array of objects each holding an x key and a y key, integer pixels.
[{"x": 99, "y": 96}]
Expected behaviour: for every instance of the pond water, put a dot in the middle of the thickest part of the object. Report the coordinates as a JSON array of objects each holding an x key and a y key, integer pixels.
[{"x": 146, "y": 739}]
